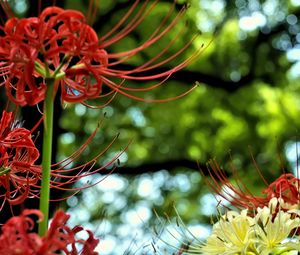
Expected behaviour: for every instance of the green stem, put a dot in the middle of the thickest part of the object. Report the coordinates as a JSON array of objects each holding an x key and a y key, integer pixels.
[{"x": 46, "y": 158}]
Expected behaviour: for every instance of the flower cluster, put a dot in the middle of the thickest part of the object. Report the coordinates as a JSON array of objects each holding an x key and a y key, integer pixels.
[
  {"x": 266, "y": 224},
  {"x": 59, "y": 45},
  {"x": 56, "y": 45},
  {"x": 59, "y": 51},
  {"x": 19, "y": 175},
  {"x": 17, "y": 237},
  {"x": 269, "y": 231},
  {"x": 285, "y": 187}
]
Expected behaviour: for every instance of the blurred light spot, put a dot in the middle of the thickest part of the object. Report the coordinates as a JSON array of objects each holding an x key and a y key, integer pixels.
[
  {"x": 82, "y": 235},
  {"x": 235, "y": 76},
  {"x": 108, "y": 197},
  {"x": 113, "y": 183},
  {"x": 292, "y": 19},
  {"x": 82, "y": 214},
  {"x": 284, "y": 42},
  {"x": 200, "y": 231},
  {"x": 145, "y": 187},
  {"x": 164, "y": 148},
  {"x": 183, "y": 182},
  {"x": 149, "y": 186},
  {"x": 124, "y": 230},
  {"x": 20, "y": 6},
  {"x": 295, "y": 2},
  {"x": 113, "y": 159},
  {"x": 109, "y": 111},
  {"x": 211, "y": 10},
  {"x": 294, "y": 29},
  {"x": 72, "y": 201},
  {"x": 253, "y": 5},
  {"x": 119, "y": 202},
  {"x": 242, "y": 35},
  {"x": 215, "y": 5},
  {"x": 104, "y": 227},
  {"x": 173, "y": 236},
  {"x": 123, "y": 158},
  {"x": 80, "y": 110},
  {"x": 240, "y": 3},
  {"x": 280, "y": 16},
  {"x": 293, "y": 54},
  {"x": 138, "y": 216},
  {"x": 194, "y": 151},
  {"x": 294, "y": 71},
  {"x": 67, "y": 138},
  {"x": 269, "y": 7},
  {"x": 195, "y": 177},
  {"x": 141, "y": 151},
  {"x": 149, "y": 131},
  {"x": 159, "y": 178},
  {"x": 252, "y": 22},
  {"x": 292, "y": 150},
  {"x": 94, "y": 112},
  {"x": 107, "y": 245},
  {"x": 205, "y": 25},
  {"x": 137, "y": 116},
  {"x": 208, "y": 204},
  {"x": 265, "y": 29}
]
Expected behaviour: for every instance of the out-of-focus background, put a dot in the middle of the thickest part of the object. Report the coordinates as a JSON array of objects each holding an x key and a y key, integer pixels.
[{"x": 246, "y": 106}]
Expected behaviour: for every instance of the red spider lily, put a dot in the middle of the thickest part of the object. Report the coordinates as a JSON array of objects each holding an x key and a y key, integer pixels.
[
  {"x": 285, "y": 187},
  {"x": 20, "y": 176},
  {"x": 18, "y": 172},
  {"x": 63, "y": 175},
  {"x": 59, "y": 45},
  {"x": 17, "y": 237}
]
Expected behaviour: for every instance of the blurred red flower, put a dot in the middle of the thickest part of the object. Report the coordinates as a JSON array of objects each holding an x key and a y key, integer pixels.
[
  {"x": 17, "y": 237},
  {"x": 59, "y": 45},
  {"x": 18, "y": 173},
  {"x": 285, "y": 187}
]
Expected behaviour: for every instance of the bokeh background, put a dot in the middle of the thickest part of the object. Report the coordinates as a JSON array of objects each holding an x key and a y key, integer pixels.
[{"x": 245, "y": 109}]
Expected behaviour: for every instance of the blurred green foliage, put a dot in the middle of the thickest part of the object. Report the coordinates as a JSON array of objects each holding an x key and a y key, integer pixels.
[
  {"x": 253, "y": 110},
  {"x": 247, "y": 104}
]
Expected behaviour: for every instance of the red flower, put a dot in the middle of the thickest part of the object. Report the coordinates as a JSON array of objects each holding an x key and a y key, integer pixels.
[
  {"x": 59, "y": 45},
  {"x": 20, "y": 176},
  {"x": 17, "y": 237},
  {"x": 285, "y": 187},
  {"x": 63, "y": 175},
  {"x": 18, "y": 172}
]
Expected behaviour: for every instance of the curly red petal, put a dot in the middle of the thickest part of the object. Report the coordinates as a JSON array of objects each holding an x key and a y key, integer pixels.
[
  {"x": 18, "y": 154},
  {"x": 17, "y": 237},
  {"x": 61, "y": 237},
  {"x": 285, "y": 187},
  {"x": 60, "y": 45}
]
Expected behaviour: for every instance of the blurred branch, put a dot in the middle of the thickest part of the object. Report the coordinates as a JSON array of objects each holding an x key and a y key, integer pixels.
[
  {"x": 103, "y": 19},
  {"x": 188, "y": 77},
  {"x": 152, "y": 167}
]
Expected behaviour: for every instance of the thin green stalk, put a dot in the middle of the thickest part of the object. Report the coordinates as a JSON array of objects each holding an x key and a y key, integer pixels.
[{"x": 47, "y": 153}]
